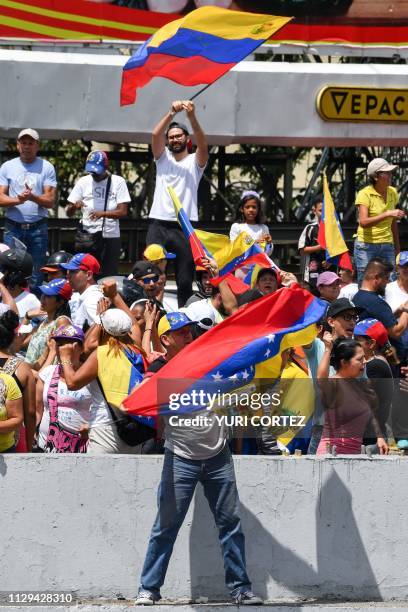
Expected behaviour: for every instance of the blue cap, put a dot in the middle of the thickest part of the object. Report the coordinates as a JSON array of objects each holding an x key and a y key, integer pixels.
[
  {"x": 82, "y": 261},
  {"x": 172, "y": 321},
  {"x": 58, "y": 286},
  {"x": 96, "y": 162},
  {"x": 402, "y": 258}
]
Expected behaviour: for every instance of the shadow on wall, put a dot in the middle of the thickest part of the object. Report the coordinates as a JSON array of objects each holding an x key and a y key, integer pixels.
[{"x": 343, "y": 567}]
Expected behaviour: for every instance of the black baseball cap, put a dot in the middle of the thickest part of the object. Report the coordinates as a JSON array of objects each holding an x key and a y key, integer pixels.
[
  {"x": 143, "y": 268},
  {"x": 177, "y": 124},
  {"x": 341, "y": 305}
]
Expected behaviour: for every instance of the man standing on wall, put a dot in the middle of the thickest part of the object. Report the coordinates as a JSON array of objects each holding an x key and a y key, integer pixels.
[
  {"x": 193, "y": 454},
  {"x": 177, "y": 168},
  {"x": 28, "y": 187}
]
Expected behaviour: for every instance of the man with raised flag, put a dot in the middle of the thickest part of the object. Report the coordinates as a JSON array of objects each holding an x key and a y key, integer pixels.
[
  {"x": 193, "y": 454},
  {"x": 178, "y": 168}
]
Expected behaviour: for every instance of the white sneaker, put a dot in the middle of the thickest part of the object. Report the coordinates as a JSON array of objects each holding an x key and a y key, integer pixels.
[{"x": 145, "y": 598}]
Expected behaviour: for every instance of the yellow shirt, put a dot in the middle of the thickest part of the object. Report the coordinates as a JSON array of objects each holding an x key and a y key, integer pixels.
[
  {"x": 8, "y": 391},
  {"x": 380, "y": 232}
]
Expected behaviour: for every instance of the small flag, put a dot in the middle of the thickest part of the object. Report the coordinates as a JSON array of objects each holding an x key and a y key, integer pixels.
[{"x": 330, "y": 236}]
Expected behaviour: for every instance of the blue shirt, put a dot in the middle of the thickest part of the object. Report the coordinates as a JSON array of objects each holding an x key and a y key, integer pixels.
[
  {"x": 15, "y": 174},
  {"x": 375, "y": 307}
]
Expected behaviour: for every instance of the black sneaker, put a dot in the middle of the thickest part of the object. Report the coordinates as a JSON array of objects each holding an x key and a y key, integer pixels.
[{"x": 247, "y": 598}]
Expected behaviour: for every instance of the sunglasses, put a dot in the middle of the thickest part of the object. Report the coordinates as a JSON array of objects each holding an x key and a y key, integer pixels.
[
  {"x": 349, "y": 317},
  {"x": 150, "y": 279}
]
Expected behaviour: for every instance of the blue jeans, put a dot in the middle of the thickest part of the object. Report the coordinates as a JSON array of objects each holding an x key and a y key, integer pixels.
[
  {"x": 178, "y": 482},
  {"x": 364, "y": 252},
  {"x": 36, "y": 241}
]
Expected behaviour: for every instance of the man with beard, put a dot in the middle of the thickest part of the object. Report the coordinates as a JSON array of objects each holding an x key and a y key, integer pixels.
[
  {"x": 177, "y": 168},
  {"x": 370, "y": 299}
]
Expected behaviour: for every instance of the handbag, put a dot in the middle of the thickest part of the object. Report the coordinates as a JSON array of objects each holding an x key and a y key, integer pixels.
[
  {"x": 60, "y": 440},
  {"x": 130, "y": 431},
  {"x": 88, "y": 242}
]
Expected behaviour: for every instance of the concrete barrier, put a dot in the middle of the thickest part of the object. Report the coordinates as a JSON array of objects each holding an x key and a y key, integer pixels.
[{"x": 326, "y": 528}]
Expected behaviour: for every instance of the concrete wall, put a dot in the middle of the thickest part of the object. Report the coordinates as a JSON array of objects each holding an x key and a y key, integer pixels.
[{"x": 325, "y": 528}]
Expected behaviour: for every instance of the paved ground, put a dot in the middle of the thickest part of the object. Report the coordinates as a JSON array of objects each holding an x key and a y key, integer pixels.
[{"x": 182, "y": 606}]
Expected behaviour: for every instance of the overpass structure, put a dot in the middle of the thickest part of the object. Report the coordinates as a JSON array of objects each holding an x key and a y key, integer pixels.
[{"x": 76, "y": 95}]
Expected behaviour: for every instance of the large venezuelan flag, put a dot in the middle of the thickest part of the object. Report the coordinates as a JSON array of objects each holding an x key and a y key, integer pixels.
[
  {"x": 197, "y": 49},
  {"x": 226, "y": 357},
  {"x": 330, "y": 236}
]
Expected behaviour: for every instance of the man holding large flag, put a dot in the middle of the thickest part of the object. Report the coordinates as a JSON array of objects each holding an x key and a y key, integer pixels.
[
  {"x": 178, "y": 168},
  {"x": 193, "y": 454}
]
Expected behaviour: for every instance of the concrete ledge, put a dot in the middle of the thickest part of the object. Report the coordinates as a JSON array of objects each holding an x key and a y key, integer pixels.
[
  {"x": 321, "y": 528},
  {"x": 125, "y": 606}
]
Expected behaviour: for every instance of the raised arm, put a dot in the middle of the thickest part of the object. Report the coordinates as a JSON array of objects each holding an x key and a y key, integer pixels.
[
  {"x": 201, "y": 141},
  {"x": 159, "y": 131}
]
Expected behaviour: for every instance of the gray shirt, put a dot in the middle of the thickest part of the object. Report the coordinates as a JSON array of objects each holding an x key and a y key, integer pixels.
[{"x": 197, "y": 435}]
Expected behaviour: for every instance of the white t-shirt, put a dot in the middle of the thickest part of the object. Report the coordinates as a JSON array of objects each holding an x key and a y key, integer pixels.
[
  {"x": 348, "y": 291},
  {"x": 83, "y": 306},
  {"x": 255, "y": 230},
  {"x": 26, "y": 301},
  {"x": 184, "y": 176},
  {"x": 85, "y": 406},
  {"x": 92, "y": 195},
  {"x": 395, "y": 296}
]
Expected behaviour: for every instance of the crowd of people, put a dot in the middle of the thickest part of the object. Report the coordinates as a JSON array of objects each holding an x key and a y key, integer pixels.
[
  {"x": 66, "y": 326},
  {"x": 75, "y": 342}
]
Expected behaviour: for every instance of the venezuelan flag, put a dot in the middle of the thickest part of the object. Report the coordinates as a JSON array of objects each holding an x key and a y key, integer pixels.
[
  {"x": 129, "y": 370},
  {"x": 213, "y": 242},
  {"x": 226, "y": 357},
  {"x": 197, "y": 49},
  {"x": 330, "y": 236},
  {"x": 197, "y": 248},
  {"x": 297, "y": 399},
  {"x": 241, "y": 252}
]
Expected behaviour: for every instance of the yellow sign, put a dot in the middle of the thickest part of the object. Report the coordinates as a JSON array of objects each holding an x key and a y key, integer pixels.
[{"x": 362, "y": 104}]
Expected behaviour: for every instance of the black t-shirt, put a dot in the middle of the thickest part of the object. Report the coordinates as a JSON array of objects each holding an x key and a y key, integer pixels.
[
  {"x": 310, "y": 263},
  {"x": 157, "y": 364},
  {"x": 382, "y": 381}
]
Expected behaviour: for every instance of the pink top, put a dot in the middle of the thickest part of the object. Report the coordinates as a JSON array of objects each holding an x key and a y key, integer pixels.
[{"x": 348, "y": 410}]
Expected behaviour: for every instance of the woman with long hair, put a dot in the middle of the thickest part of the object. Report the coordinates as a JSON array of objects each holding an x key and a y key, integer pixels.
[
  {"x": 54, "y": 302},
  {"x": 349, "y": 401},
  {"x": 22, "y": 374},
  {"x": 118, "y": 364}
]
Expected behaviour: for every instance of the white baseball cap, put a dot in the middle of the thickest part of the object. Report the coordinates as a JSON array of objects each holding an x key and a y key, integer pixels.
[
  {"x": 201, "y": 312},
  {"x": 116, "y": 322},
  {"x": 29, "y": 132},
  {"x": 379, "y": 165}
]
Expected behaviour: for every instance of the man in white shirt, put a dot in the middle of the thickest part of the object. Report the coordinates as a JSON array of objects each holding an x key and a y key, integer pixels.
[
  {"x": 181, "y": 170},
  {"x": 396, "y": 293},
  {"x": 81, "y": 275},
  {"x": 89, "y": 195}
]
